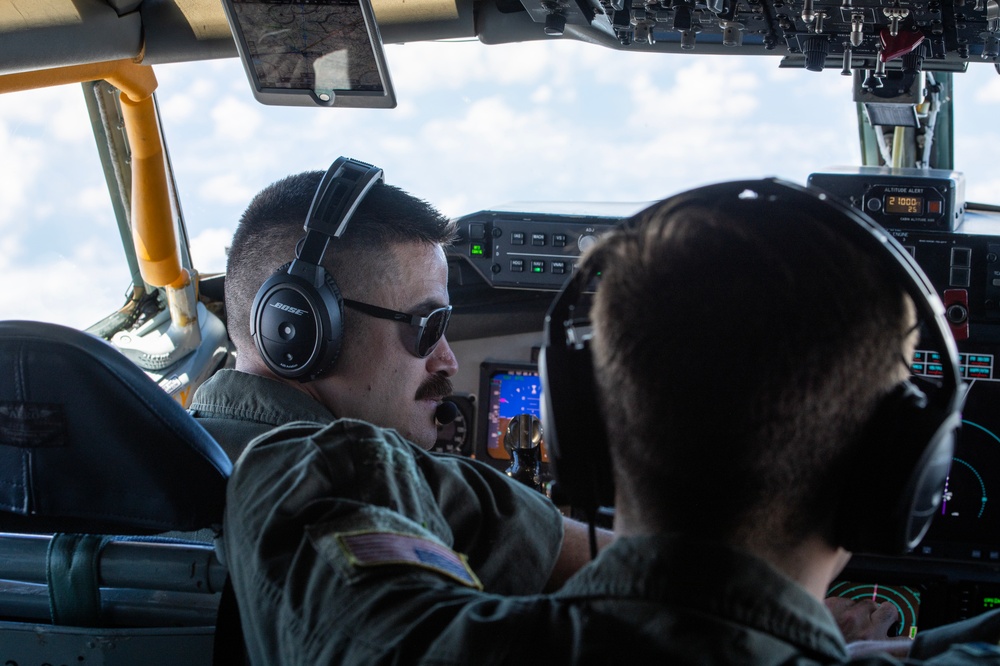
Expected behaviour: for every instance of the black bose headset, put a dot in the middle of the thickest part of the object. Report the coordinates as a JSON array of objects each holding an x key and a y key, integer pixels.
[
  {"x": 908, "y": 443},
  {"x": 297, "y": 318}
]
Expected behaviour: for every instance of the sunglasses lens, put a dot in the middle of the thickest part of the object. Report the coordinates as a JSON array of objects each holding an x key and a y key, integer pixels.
[{"x": 433, "y": 331}]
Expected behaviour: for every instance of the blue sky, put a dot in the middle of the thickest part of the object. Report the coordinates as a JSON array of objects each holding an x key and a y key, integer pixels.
[{"x": 475, "y": 127}]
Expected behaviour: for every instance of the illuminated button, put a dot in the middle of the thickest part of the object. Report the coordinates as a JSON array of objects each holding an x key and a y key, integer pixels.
[
  {"x": 559, "y": 240},
  {"x": 934, "y": 356},
  {"x": 537, "y": 266},
  {"x": 919, "y": 355},
  {"x": 559, "y": 267},
  {"x": 935, "y": 206},
  {"x": 978, "y": 373},
  {"x": 538, "y": 239},
  {"x": 978, "y": 359},
  {"x": 517, "y": 265},
  {"x": 477, "y": 250},
  {"x": 918, "y": 368},
  {"x": 961, "y": 256},
  {"x": 935, "y": 369},
  {"x": 517, "y": 238}
]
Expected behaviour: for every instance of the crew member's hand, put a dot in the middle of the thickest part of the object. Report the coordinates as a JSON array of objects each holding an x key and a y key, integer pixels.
[{"x": 865, "y": 625}]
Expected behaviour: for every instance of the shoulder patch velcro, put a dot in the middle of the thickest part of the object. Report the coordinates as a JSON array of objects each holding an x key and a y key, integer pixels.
[{"x": 372, "y": 549}]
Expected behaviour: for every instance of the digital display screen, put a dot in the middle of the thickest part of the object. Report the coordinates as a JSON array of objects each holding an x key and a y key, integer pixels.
[
  {"x": 968, "y": 523},
  {"x": 905, "y": 599},
  {"x": 327, "y": 52},
  {"x": 511, "y": 391},
  {"x": 898, "y": 204}
]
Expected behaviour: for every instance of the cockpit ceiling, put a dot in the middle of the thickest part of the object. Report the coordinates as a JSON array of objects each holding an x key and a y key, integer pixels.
[{"x": 901, "y": 34}]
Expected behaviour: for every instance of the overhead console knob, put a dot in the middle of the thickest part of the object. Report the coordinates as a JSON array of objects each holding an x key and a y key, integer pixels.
[
  {"x": 815, "y": 48},
  {"x": 732, "y": 33},
  {"x": 555, "y": 24},
  {"x": 808, "y": 11},
  {"x": 857, "y": 29}
]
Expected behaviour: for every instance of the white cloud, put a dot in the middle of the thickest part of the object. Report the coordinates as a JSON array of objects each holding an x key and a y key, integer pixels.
[
  {"x": 96, "y": 203},
  {"x": 989, "y": 90},
  {"x": 542, "y": 94},
  {"x": 177, "y": 108},
  {"x": 208, "y": 249},
  {"x": 76, "y": 289},
  {"x": 983, "y": 190},
  {"x": 20, "y": 166},
  {"x": 710, "y": 90},
  {"x": 227, "y": 188},
  {"x": 235, "y": 119}
]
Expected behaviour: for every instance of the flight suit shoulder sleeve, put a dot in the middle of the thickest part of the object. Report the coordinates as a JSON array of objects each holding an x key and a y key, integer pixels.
[{"x": 511, "y": 534}]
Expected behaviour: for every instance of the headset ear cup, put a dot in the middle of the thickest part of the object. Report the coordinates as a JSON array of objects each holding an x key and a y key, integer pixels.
[
  {"x": 895, "y": 482},
  {"x": 575, "y": 433},
  {"x": 297, "y": 327}
]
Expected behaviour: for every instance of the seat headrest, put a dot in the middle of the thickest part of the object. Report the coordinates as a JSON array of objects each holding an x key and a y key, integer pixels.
[{"x": 89, "y": 443}]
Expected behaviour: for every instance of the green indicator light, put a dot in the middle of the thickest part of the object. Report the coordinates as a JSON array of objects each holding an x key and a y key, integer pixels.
[
  {"x": 477, "y": 249},
  {"x": 537, "y": 269}
]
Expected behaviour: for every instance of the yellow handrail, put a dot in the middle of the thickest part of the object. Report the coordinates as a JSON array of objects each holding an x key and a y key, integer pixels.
[{"x": 152, "y": 220}]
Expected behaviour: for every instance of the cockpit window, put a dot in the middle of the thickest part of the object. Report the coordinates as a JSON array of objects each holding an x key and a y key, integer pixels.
[
  {"x": 475, "y": 127},
  {"x": 61, "y": 256}
]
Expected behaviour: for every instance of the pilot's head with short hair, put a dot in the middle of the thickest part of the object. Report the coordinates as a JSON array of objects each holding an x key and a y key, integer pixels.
[
  {"x": 739, "y": 347},
  {"x": 391, "y": 255}
]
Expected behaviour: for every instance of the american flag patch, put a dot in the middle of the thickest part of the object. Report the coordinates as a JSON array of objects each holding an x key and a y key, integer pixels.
[{"x": 369, "y": 549}]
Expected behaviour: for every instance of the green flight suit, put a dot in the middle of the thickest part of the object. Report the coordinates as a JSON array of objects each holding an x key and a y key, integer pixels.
[{"x": 348, "y": 555}]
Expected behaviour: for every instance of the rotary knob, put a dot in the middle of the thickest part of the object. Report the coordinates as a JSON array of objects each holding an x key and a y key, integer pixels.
[{"x": 585, "y": 241}]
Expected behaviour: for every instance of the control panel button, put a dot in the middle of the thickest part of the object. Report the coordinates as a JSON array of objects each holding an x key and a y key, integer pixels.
[
  {"x": 961, "y": 256},
  {"x": 538, "y": 240},
  {"x": 960, "y": 277},
  {"x": 559, "y": 240},
  {"x": 517, "y": 238},
  {"x": 537, "y": 265},
  {"x": 517, "y": 265}
]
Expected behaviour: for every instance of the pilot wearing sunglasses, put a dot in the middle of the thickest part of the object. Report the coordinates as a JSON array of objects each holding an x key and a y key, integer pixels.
[
  {"x": 392, "y": 370},
  {"x": 394, "y": 363}
]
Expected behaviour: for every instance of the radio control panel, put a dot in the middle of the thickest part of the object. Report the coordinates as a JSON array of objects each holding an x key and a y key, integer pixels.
[{"x": 519, "y": 250}]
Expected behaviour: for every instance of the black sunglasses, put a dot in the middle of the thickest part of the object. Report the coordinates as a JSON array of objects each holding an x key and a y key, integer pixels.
[{"x": 430, "y": 328}]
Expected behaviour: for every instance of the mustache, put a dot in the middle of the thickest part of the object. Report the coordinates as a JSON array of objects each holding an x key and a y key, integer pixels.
[{"x": 434, "y": 388}]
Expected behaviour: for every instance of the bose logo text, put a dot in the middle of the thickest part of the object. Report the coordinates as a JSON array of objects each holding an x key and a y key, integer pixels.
[{"x": 288, "y": 308}]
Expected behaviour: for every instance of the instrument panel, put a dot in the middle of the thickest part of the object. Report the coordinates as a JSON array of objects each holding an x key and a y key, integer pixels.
[
  {"x": 458, "y": 436},
  {"x": 514, "y": 249}
]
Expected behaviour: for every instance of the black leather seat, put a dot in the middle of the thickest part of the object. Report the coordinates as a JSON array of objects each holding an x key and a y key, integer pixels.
[
  {"x": 92, "y": 454},
  {"x": 89, "y": 443}
]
